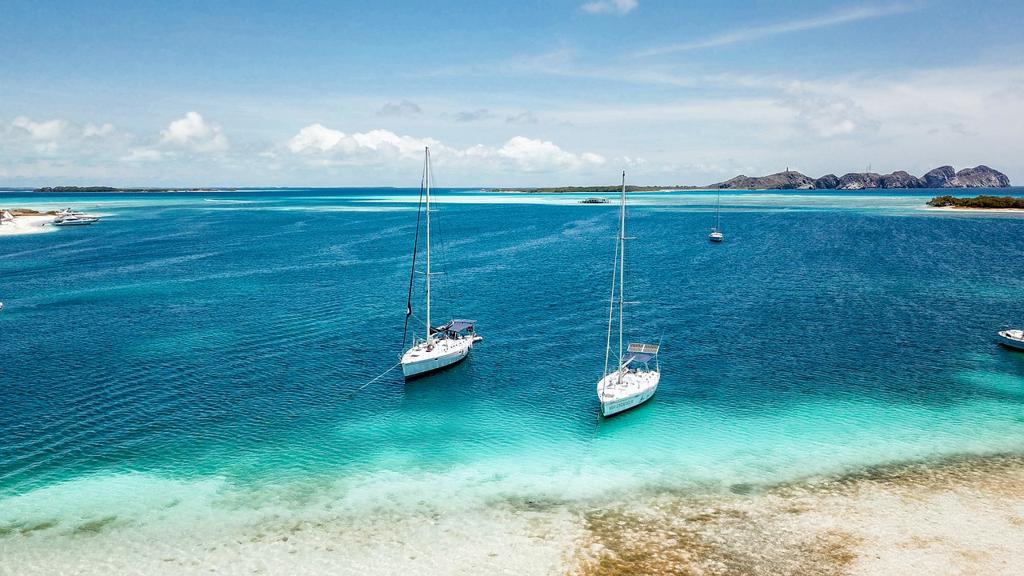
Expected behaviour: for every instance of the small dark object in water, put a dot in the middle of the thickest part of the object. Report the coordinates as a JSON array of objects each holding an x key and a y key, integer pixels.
[{"x": 594, "y": 200}]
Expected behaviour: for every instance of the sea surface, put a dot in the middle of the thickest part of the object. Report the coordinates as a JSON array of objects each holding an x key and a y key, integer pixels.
[{"x": 207, "y": 357}]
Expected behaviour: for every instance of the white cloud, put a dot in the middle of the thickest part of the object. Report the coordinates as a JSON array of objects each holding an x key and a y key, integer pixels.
[
  {"x": 314, "y": 137},
  {"x": 143, "y": 155},
  {"x": 540, "y": 155},
  {"x": 47, "y": 131},
  {"x": 194, "y": 133},
  {"x": 94, "y": 131},
  {"x": 359, "y": 148},
  {"x": 752, "y": 33},
  {"x": 378, "y": 147},
  {"x": 49, "y": 136},
  {"x": 610, "y": 6}
]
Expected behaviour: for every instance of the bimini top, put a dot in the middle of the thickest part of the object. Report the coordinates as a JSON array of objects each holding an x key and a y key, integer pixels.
[
  {"x": 643, "y": 348},
  {"x": 641, "y": 352},
  {"x": 456, "y": 326}
]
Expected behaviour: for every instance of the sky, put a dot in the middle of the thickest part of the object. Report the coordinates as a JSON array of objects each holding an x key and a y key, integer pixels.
[{"x": 526, "y": 93}]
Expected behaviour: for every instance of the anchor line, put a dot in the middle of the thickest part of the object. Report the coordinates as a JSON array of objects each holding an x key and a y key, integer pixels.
[{"x": 378, "y": 377}]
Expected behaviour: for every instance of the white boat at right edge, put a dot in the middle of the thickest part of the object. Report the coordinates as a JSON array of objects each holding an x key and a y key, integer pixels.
[
  {"x": 1012, "y": 339},
  {"x": 634, "y": 381}
]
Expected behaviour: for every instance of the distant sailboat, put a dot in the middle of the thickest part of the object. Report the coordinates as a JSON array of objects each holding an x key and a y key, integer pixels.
[
  {"x": 633, "y": 382},
  {"x": 443, "y": 345},
  {"x": 716, "y": 232}
]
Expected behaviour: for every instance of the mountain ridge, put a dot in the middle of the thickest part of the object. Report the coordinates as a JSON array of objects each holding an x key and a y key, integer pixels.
[{"x": 942, "y": 177}]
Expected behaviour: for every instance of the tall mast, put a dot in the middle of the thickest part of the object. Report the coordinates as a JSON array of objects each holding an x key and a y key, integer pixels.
[
  {"x": 426, "y": 169},
  {"x": 718, "y": 210},
  {"x": 622, "y": 257}
]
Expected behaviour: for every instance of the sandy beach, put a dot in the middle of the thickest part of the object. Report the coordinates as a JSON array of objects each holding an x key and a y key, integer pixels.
[
  {"x": 969, "y": 209},
  {"x": 27, "y": 225},
  {"x": 961, "y": 516}
]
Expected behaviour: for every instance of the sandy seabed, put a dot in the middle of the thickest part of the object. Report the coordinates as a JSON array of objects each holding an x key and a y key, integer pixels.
[{"x": 960, "y": 516}]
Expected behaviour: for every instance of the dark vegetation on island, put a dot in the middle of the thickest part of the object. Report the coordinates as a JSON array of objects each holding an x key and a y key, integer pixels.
[
  {"x": 581, "y": 189},
  {"x": 113, "y": 189},
  {"x": 977, "y": 202},
  {"x": 942, "y": 177}
]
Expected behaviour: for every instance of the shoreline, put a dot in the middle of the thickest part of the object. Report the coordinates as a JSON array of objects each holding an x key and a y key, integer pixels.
[
  {"x": 34, "y": 224},
  {"x": 974, "y": 209},
  {"x": 892, "y": 519}
]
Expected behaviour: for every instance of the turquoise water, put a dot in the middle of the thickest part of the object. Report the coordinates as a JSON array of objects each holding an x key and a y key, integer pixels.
[{"x": 197, "y": 356}]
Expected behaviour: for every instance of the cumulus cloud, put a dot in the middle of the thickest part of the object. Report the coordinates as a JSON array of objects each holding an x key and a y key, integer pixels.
[
  {"x": 531, "y": 155},
  {"x": 610, "y": 6},
  {"x": 49, "y": 136},
  {"x": 46, "y": 131},
  {"x": 376, "y": 147},
  {"x": 192, "y": 132},
  {"x": 371, "y": 147},
  {"x": 403, "y": 108}
]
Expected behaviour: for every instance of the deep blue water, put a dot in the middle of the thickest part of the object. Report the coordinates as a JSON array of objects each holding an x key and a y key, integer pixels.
[{"x": 190, "y": 337}]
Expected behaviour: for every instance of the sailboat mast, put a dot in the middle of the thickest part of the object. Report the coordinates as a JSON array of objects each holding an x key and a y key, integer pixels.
[
  {"x": 718, "y": 210},
  {"x": 622, "y": 257},
  {"x": 426, "y": 168}
]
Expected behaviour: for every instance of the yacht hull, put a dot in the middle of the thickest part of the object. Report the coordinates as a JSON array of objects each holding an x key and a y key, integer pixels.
[
  {"x": 75, "y": 223},
  {"x": 1012, "y": 339},
  {"x": 615, "y": 399},
  {"x": 623, "y": 404},
  {"x": 430, "y": 363}
]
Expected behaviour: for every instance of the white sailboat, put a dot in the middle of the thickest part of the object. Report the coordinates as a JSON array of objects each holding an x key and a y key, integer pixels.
[
  {"x": 634, "y": 381},
  {"x": 443, "y": 345},
  {"x": 716, "y": 232}
]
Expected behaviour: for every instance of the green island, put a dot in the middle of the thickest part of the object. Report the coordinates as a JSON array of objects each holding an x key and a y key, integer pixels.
[
  {"x": 588, "y": 189},
  {"x": 982, "y": 201}
]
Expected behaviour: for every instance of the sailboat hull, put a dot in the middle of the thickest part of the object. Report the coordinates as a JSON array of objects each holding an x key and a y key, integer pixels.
[
  {"x": 618, "y": 394},
  {"x": 420, "y": 361}
]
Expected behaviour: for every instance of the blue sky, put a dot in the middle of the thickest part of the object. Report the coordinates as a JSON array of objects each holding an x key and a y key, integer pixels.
[{"x": 524, "y": 93}]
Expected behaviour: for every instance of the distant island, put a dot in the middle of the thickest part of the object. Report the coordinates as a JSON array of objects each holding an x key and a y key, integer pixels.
[
  {"x": 998, "y": 202},
  {"x": 941, "y": 177},
  {"x": 586, "y": 189},
  {"x": 113, "y": 189}
]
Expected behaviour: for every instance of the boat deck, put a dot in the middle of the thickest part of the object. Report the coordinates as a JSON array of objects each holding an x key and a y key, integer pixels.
[{"x": 632, "y": 382}]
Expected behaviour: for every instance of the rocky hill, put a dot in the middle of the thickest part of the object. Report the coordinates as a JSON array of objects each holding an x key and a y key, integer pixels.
[
  {"x": 788, "y": 180},
  {"x": 942, "y": 177}
]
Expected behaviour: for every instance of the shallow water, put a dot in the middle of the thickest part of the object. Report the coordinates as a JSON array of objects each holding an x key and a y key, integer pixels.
[{"x": 195, "y": 357}]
